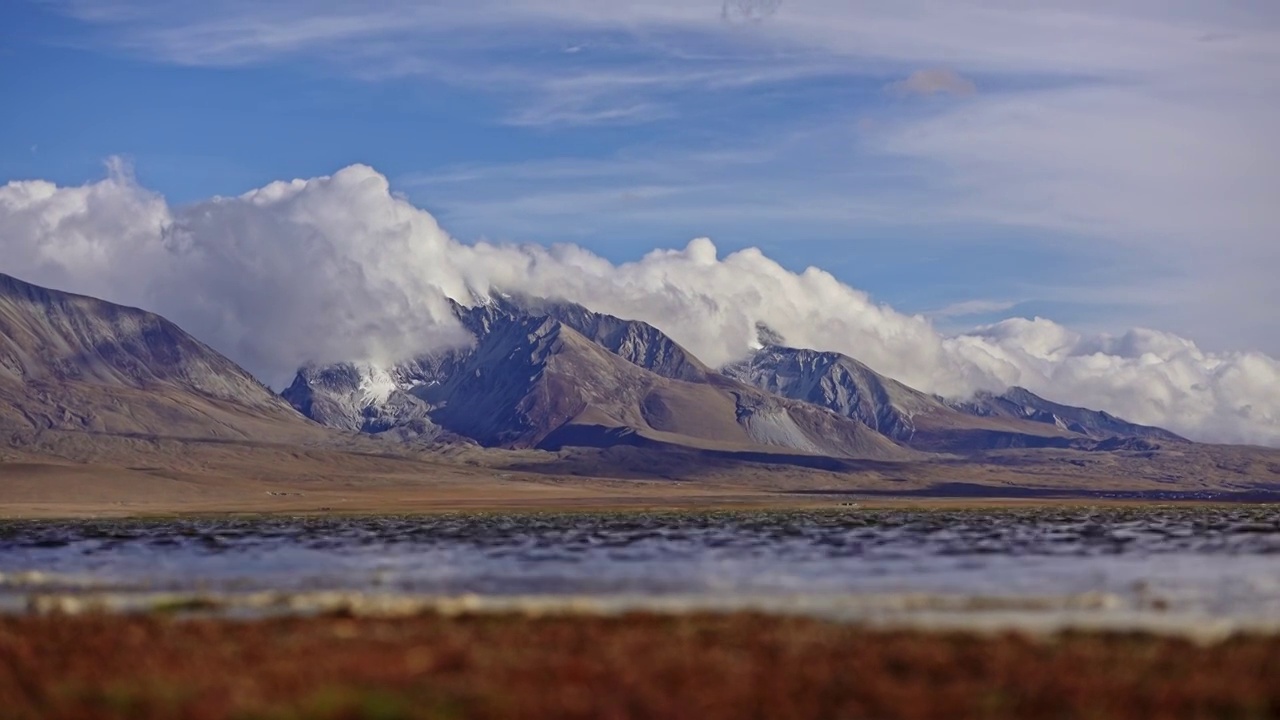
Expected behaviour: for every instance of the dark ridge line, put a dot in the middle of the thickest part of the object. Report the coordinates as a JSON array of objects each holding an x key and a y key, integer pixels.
[{"x": 974, "y": 490}]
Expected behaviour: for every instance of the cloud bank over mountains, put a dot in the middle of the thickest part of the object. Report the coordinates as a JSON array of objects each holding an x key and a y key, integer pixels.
[{"x": 341, "y": 268}]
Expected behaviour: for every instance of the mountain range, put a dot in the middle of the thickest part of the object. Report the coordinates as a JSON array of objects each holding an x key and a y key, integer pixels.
[
  {"x": 548, "y": 374},
  {"x": 547, "y": 389}
]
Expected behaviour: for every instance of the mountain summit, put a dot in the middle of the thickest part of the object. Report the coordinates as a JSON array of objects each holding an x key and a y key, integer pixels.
[
  {"x": 1017, "y": 418},
  {"x": 1022, "y": 404}
]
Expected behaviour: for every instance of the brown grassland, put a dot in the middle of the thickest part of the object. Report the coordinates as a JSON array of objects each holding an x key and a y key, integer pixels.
[
  {"x": 63, "y": 474},
  {"x": 638, "y": 666}
]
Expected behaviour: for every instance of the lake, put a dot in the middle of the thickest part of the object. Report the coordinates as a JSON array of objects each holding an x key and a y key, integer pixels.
[{"x": 1166, "y": 566}]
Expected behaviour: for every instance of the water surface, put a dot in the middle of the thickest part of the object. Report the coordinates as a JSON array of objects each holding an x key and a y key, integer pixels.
[{"x": 1177, "y": 561}]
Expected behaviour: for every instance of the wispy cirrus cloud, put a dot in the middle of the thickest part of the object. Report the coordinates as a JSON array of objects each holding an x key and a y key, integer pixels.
[{"x": 969, "y": 308}]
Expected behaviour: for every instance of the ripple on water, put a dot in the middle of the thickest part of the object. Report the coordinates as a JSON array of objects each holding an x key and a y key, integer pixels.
[{"x": 1219, "y": 560}]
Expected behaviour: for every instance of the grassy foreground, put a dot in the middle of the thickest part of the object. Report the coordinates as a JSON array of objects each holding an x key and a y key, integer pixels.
[{"x": 640, "y": 666}]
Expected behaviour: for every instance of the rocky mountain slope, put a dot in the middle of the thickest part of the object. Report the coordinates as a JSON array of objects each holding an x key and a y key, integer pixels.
[
  {"x": 69, "y": 362},
  {"x": 548, "y": 375},
  {"x": 840, "y": 383},
  {"x": 636, "y": 342},
  {"x": 371, "y": 400},
  {"x": 1022, "y": 404},
  {"x": 1015, "y": 419}
]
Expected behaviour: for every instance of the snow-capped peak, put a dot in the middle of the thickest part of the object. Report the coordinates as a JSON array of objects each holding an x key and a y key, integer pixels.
[{"x": 376, "y": 385}]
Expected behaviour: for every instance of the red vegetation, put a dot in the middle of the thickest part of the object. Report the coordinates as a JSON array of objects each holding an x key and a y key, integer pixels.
[{"x": 698, "y": 667}]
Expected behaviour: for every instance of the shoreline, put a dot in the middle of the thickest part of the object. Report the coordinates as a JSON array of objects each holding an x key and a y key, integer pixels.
[
  {"x": 355, "y": 506},
  {"x": 1041, "y": 616}
]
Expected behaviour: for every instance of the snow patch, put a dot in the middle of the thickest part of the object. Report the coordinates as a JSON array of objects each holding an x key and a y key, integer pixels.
[{"x": 376, "y": 385}]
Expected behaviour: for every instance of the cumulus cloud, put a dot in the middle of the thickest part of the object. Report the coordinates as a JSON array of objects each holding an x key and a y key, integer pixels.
[
  {"x": 315, "y": 270},
  {"x": 1139, "y": 132},
  {"x": 341, "y": 268},
  {"x": 935, "y": 81}
]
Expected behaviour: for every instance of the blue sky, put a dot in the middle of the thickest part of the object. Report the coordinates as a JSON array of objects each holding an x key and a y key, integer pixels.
[{"x": 1103, "y": 164}]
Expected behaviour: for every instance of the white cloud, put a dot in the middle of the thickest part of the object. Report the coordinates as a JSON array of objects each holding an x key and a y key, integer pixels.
[
  {"x": 1140, "y": 130},
  {"x": 325, "y": 269},
  {"x": 341, "y": 268}
]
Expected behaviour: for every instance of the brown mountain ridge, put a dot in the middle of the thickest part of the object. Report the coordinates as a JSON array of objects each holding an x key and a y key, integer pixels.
[{"x": 71, "y": 362}]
